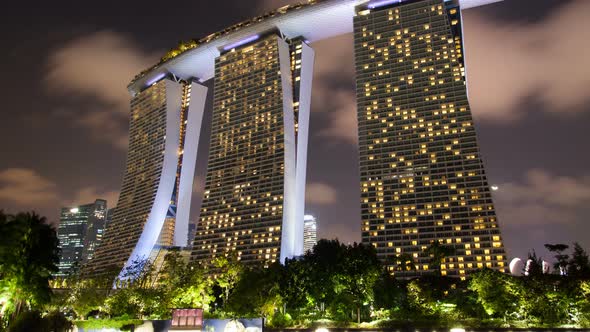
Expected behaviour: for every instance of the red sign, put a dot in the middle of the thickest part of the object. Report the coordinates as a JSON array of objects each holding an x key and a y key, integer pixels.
[{"x": 187, "y": 318}]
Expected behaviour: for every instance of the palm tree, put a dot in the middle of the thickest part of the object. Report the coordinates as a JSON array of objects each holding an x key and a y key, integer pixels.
[
  {"x": 29, "y": 254},
  {"x": 438, "y": 253}
]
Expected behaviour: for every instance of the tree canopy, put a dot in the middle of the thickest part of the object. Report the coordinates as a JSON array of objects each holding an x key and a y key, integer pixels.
[{"x": 29, "y": 255}]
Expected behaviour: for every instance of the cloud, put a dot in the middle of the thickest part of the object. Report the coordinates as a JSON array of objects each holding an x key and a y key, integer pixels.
[
  {"x": 511, "y": 63},
  {"x": 333, "y": 88},
  {"x": 90, "y": 194},
  {"x": 98, "y": 67},
  {"x": 542, "y": 199},
  {"x": 342, "y": 119},
  {"x": 320, "y": 194},
  {"x": 26, "y": 188}
]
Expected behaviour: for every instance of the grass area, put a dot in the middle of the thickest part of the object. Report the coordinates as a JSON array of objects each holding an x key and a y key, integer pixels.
[{"x": 121, "y": 323}]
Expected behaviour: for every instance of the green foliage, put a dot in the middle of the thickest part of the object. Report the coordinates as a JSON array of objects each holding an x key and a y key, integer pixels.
[
  {"x": 560, "y": 265},
  {"x": 579, "y": 264},
  {"x": 28, "y": 256},
  {"x": 34, "y": 321},
  {"x": 83, "y": 297},
  {"x": 281, "y": 320},
  {"x": 28, "y": 321},
  {"x": 332, "y": 285},
  {"x": 342, "y": 278},
  {"x": 114, "y": 323},
  {"x": 228, "y": 270},
  {"x": 257, "y": 293},
  {"x": 438, "y": 253},
  {"x": 497, "y": 292},
  {"x": 186, "y": 284}
]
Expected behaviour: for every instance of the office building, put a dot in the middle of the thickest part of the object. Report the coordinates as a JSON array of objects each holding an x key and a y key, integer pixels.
[
  {"x": 79, "y": 232},
  {"x": 310, "y": 232}
]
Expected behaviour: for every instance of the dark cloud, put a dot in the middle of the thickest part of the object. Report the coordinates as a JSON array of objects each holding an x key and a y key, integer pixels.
[
  {"x": 514, "y": 61},
  {"x": 320, "y": 194},
  {"x": 25, "y": 187},
  {"x": 98, "y": 66}
]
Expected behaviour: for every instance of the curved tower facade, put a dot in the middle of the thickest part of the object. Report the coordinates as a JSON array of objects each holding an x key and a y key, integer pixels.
[
  {"x": 158, "y": 175},
  {"x": 422, "y": 178}
]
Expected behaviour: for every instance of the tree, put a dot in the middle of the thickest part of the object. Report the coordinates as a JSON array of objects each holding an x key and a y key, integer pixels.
[
  {"x": 186, "y": 284},
  {"x": 438, "y": 253},
  {"x": 258, "y": 292},
  {"x": 228, "y": 271},
  {"x": 29, "y": 254},
  {"x": 84, "y": 297},
  {"x": 579, "y": 264},
  {"x": 562, "y": 259},
  {"x": 534, "y": 265},
  {"x": 495, "y": 292},
  {"x": 341, "y": 277},
  {"x": 361, "y": 270},
  {"x": 389, "y": 293},
  {"x": 404, "y": 262}
]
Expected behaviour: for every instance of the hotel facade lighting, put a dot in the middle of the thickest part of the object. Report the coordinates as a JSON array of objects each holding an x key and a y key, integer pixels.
[
  {"x": 255, "y": 185},
  {"x": 422, "y": 177},
  {"x": 263, "y": 72}
]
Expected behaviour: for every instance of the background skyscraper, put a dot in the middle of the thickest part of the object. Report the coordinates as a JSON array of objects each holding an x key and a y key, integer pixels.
[
  {"x": 422, "y": 177},
  {"x": 79, "y": 232},
  {"x": 310, "y": 232}
]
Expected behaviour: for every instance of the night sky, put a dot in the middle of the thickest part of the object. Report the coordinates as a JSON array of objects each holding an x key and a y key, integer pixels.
[{"x": 64, "y": 113}]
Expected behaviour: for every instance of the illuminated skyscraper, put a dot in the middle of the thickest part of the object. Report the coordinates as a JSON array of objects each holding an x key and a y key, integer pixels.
[
  {"x": 251, "y": 203},
  {"x": 163, "y": 138},
  {"x": 422, "y": 177},
  {"x": 419, "y": 156},
  {"x": 310, "y": 232},
  {"x": 79, "y": 232}
]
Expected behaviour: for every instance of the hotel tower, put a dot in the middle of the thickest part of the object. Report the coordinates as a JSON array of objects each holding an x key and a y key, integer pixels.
[
  {"x": 422, "y": 177},
  {"x": 157, "y": 184},
  {"x": 253, "y": 203}
]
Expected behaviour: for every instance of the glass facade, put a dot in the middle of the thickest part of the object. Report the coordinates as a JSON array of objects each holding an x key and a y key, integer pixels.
[
  {"x": 310, "y": 232},
  {"x": 422, "y": 177},
  {"x": 79, "y": 232}
]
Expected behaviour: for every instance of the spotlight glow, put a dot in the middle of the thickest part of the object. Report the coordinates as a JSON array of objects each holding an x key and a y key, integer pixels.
[
  {"x": 155, "y": 79},
  {"x": 457, "y": 329},
  {"x": 74, "y": 210},
  {"x": 241, "y": 42},
  {"x": 382, "y": 3}
]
